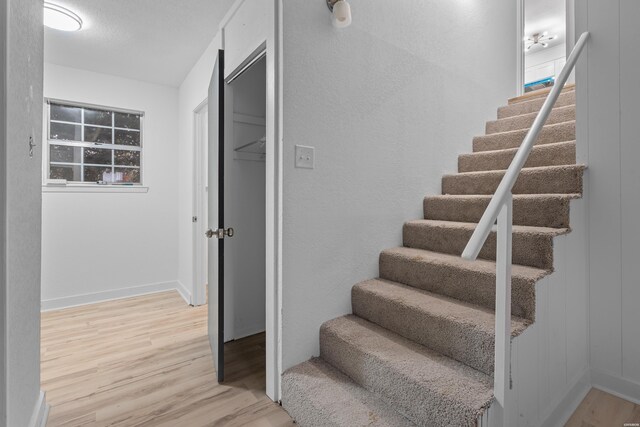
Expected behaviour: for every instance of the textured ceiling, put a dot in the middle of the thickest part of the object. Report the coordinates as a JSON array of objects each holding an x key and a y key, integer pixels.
[
  {"x": 546, "y": 15},
  {"x": 151, "y": 40}
]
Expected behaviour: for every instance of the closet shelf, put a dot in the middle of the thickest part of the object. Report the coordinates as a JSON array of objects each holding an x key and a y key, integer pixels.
[{"x": 257, "y": 147}]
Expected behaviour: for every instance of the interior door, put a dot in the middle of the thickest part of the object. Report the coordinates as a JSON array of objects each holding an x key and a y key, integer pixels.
[{"x": 215, "y": 216}]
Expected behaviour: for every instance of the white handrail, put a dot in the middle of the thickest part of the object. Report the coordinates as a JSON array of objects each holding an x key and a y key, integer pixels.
[
  {"x": 489, "y": 217},
  {"x": 501, "y": 209}
]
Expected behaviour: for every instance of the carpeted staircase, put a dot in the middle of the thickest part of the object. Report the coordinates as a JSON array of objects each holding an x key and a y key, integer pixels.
[{"x": 419, "y": 346}]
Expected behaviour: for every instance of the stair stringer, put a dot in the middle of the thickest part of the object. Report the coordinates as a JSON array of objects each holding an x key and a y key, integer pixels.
[{"x": 549, "y": 363}]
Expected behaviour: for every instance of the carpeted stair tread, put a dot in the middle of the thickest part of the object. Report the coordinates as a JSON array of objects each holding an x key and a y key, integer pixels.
[
  {"x": 559, "y": 132},
  {"x": 564, "y": 179},
  {"x": 316, "y": 394},
  {"x": 452, "y": 276},
  {"x": 460, "y": 330},
  {"x": 538, "y": 210},
  {"x": 554, "y": 154},
  {"x": 427, "y": 387},
  {"x": 524, "y": 121},
  {"x": 537, "y": 94},
  {"x": 532, "y": 246},
  {"x": 534, "y": 105}
]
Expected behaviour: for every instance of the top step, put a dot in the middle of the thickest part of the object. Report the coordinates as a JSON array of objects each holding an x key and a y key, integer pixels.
[
  {"x": 542, "y": 93},
  {"x": 535, "y": 104}
]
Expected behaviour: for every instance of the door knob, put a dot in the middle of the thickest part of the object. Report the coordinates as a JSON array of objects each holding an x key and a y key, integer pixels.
[{"x": 220, "y": 233}]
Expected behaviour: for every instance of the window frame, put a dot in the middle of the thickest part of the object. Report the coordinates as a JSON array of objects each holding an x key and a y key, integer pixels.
[{"x": 54, "y": 184}]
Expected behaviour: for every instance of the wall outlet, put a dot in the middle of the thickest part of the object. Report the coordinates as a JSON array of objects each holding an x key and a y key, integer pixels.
[{"x": 305, "y": 157}]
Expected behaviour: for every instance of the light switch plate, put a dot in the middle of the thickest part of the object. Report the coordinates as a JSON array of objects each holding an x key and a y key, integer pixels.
[{"x": 305, "y": 157}]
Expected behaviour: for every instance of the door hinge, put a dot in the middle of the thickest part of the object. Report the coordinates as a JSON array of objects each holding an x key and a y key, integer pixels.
[
  {"x": 220, "y": 233},
  {"x": 194, "y": 219}
]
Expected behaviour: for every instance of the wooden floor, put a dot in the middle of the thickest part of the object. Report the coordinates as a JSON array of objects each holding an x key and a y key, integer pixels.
[
  {"x": 146, "y": 361},
  {"x": 600, "y": 409}
]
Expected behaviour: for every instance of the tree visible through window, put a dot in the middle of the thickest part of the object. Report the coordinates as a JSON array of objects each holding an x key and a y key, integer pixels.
[{"x": 94, "y": 145}]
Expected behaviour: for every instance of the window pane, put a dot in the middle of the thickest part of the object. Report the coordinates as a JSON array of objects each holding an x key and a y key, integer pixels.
[
  {"x": 124, "y": 137},
  {"x": 123, "y": 175},
  {"x": 96, "y": 173},
  {"x": 64, "y": 131},
  {"x": 99, "y": 135},
  {"x": 97, "y": 117},
  {"x": 66, "y": 114},
  {"x": 127, "y": 158},
  {"x": 127, "y": 121},
  {"x": 97, "y": 156},
  {"x": 70, "y": 173},
  {"x": 61, "y": 153}
]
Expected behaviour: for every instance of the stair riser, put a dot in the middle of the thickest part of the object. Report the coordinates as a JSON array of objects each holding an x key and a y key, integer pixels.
[
  {"x": 558, "y": 154},
  {"x": 464, "y": 285},
  {"x": 558, "y": 115},
  {"x": 473, "y": 347},
  {"x": 568, "y": 98},
  {"x": 403, "y": 392},
  {"x": 532, "y": 181},
  {"x": 561, "y": 132},
  {"x": 553, "y": 213},
  {"x": 534, "y": 250}
]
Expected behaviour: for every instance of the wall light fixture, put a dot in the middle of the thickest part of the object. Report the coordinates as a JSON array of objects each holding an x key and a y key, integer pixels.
[{"x": 341, "y": 13}]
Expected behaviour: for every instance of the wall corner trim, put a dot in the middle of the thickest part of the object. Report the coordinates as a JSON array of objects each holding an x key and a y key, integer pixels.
[
  {"x": 570, "y": 402},
  {"x": 114, "y": 294},
  {"x": 40, "y": 412},
  {"x": 184, "y": 292},
  {"x": 618, "y": 386}
]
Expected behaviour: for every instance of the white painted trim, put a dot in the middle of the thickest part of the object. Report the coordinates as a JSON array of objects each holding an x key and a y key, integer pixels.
[
  {"x": 184, "y": 292},
  {"x": 94, "y": 189},
  {"x": 621, "y": 387},
  {"x": 520, "y": 11},
  {"x": 115, "y": 294},
  {"x": 248, "y": 331},
  {"x": 200, "y": 203},
  {"x": 40, "y": 412},
  {"x": 570, "y": 402}
]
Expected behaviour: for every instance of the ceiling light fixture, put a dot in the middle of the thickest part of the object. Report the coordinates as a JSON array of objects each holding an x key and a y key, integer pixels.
[
  {"x": 341, "y": 11},
  {"x": 61, "y": 18},
  {"x": 538, "y": 39}
]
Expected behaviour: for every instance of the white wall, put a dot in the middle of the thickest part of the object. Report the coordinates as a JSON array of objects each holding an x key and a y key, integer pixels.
[
  {"x": 104, "y": 245},
  {"x": 608, "y": 93},
  {"x": 388, "y": 103},
  {"x": 21, "y": 206},
  {"x": 192, "y": 93}
]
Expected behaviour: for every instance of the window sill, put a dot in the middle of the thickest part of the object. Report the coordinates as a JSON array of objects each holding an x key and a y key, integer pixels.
[{"x": 69, "y": 188}]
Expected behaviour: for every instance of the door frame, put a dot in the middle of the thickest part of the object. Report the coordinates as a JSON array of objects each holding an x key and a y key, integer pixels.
[
  {"x": 520, "y": 20},
  {"x": 199, "y": 217},
  {"x": 273, "y": 213}
]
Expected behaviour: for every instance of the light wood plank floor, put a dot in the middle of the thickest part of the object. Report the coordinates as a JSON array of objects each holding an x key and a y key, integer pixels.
[
  {"x": 601, "y": 409},
  {"x": 146, "y": 361}
]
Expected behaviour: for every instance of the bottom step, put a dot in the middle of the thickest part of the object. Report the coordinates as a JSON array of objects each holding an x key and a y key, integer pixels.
[{"x": 315, "y": 394}]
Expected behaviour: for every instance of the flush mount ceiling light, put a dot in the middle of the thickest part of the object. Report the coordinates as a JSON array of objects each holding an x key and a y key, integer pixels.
[
  {"x": 538, "y": 39},
  {"x": 61, "y": 18},
  {"x": 341, "y": 11}
]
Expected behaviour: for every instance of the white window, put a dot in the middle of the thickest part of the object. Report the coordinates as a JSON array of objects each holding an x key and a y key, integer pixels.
[{"x": 93, "y": 145}]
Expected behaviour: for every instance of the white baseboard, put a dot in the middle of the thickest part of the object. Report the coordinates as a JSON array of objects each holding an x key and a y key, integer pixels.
[
  {"x": 40, "y": 412},
  {"x": 621, "y": 387},
  {"x": 114, "y": 294},
  {"x": 184, "y": 292},
  {"x": 570, "y": 402},
  {"x": 248, "y": 331}
]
